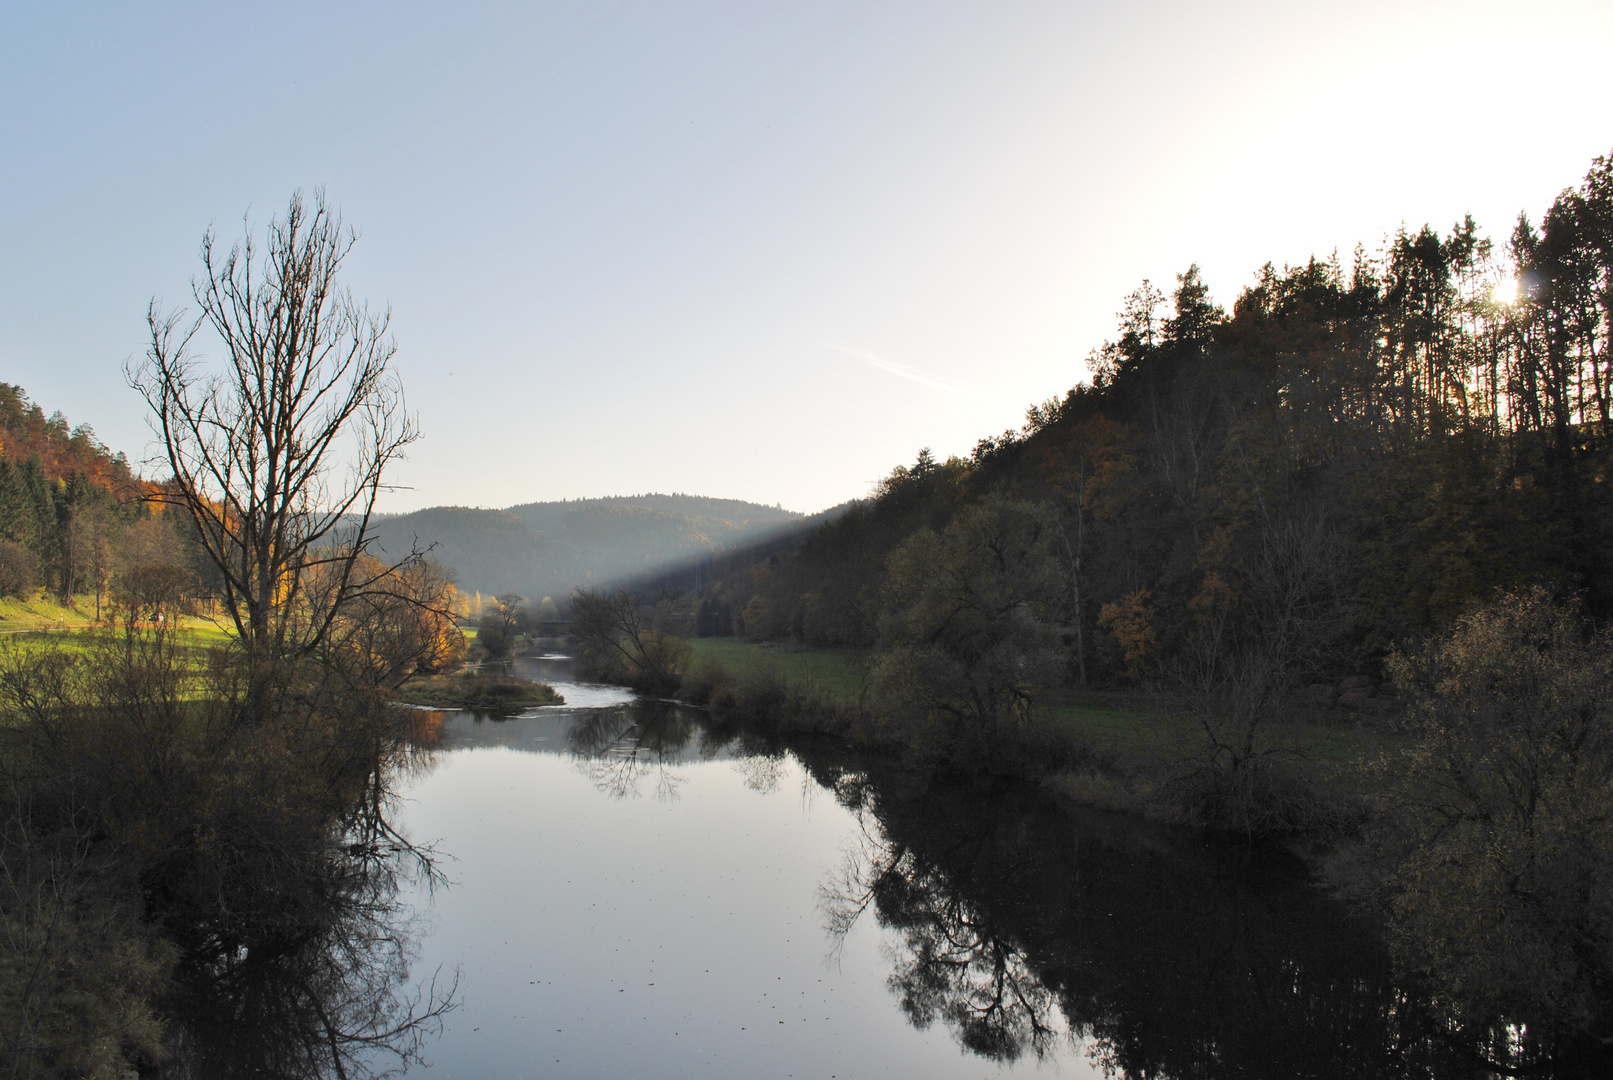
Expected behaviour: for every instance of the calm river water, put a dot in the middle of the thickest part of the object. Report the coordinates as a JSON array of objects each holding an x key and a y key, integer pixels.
[{"x": 633, "y": 896}]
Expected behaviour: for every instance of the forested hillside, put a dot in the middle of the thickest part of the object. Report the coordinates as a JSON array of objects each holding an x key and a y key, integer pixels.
[
  {"x": 1355, "y": 453},
  {"x": 64, "y": 501},
  {"x": 546, "y": 549}
]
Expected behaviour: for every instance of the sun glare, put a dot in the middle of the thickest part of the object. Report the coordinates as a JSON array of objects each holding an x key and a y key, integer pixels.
[{"x": 1504, "y": 292}]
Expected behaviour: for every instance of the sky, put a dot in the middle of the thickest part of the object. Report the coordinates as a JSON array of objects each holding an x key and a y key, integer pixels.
[{"x": 764, "y": 251}]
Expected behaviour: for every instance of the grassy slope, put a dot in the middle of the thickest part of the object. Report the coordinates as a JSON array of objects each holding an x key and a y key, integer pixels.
[{"x": 43, "y": 613}]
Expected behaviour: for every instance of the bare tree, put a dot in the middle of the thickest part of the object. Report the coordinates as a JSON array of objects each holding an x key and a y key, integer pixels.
[
  {"x": 620, "y": 642},
  {"x": 278, "y": 454}
]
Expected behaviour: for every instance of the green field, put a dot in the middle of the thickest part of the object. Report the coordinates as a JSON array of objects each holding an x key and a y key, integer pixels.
[
  {"x": 43, "y": 614},
  {"x": 42, "y": 623},
  {"x": 1109, "y": 723},
  {"x": 837, "y": 674}
]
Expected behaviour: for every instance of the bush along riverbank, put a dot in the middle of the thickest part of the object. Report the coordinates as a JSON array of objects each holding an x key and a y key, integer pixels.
[
  {"x": 1464, "y": 803},
  {"x": 1131, "y": 752}
]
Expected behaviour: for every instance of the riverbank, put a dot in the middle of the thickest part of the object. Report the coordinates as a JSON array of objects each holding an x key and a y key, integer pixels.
[
  {"x": 1114, "y": 721},
  {"x": 1111, "y": 750}
]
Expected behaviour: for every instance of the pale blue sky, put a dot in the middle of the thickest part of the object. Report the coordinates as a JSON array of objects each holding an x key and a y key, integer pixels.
[{"x": 755, "y": 250}]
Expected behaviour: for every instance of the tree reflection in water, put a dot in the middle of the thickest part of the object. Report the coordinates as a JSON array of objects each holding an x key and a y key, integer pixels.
[
  {"x": 316, "y": 981},
  {"x": 952, "y": 964},
  {"x": 762, "y": 771},
  {"x": 1024, "y": 929},
  {"x": 616, "y": 749}
]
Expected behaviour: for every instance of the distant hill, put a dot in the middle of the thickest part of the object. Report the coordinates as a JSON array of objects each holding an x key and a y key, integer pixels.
[{"x": 546, "y": 549}]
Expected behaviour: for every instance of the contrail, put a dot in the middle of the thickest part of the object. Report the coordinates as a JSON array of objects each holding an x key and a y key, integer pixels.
[{"x": 894, "y": 368}]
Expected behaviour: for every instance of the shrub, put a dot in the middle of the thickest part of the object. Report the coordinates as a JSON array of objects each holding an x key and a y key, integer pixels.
[
  {"x": 1496, "y": 824},
  {"x": 496, "y": 641},
  {"x": 1279, "y": 791},
  {"x": 704, "y": 683}
]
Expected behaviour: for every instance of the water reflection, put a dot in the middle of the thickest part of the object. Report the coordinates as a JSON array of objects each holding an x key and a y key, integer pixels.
[
  {"x": 953, "y": 965},
  {"x": 1024, "y": 929},
  {"x": 315, "y": 981},
  {"x": 618, "y": 749}
]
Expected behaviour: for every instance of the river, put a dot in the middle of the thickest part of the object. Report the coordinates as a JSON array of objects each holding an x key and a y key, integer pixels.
[{"x": 632, "y": 895}]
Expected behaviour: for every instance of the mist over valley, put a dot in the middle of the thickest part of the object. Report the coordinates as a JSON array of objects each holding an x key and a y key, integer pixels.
[{"x": 549, "y": 548}]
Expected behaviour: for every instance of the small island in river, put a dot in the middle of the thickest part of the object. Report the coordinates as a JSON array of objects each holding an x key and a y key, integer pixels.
[{"x": 500, "y": 695}]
